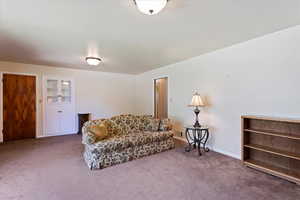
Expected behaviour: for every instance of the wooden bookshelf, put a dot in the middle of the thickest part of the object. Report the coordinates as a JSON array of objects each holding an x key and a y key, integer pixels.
[{"x": 272, "y": 145}]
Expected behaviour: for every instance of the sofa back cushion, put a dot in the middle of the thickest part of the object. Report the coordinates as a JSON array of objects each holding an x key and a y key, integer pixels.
[
  {"x": 148, "y": 123},
  {"x": 123, "y": 124},
  {"x": 165, "y": 125},
  {"x": 153, "y": 125},
  {"x": 133, "y": 123}
]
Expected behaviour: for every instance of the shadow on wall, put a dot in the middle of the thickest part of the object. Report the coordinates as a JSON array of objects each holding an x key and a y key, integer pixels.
[
  {"x": 207, "y": 102},
  {"x": 207, "y": 117},
  {"x": 12, "y": 49},
  {"x": 178, "y": 126}
]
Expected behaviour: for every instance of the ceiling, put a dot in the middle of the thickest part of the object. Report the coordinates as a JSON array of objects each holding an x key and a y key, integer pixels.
[{"x": 63, "y": 32}]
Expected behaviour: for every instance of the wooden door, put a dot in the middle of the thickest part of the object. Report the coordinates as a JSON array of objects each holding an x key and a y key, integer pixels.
[
  {"x": 161, "y": 98},
  {"x": 19, "y": 107}
]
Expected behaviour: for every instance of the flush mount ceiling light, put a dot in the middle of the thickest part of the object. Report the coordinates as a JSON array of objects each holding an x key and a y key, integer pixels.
[
  {"x": 94, "y": 61},
  {"x": 150, "y": 7}
]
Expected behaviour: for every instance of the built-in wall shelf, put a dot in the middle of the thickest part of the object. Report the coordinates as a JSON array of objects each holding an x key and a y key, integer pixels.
[
  {"x": 272, "y": 145},
  {"x": 59, "y": 106},
  {"x": 284, "y": 135},
  {"x": 274, "y": 151}
]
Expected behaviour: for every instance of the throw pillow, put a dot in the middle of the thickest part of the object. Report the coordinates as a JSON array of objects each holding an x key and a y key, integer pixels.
[
  {"x": 165, "y": 125},
  {"x": 100, "y": 131}
]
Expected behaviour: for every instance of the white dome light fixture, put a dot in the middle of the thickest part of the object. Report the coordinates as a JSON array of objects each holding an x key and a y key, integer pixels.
[
  {"x": 94, "y": 61},
  {"x": 150, "y": 7}
]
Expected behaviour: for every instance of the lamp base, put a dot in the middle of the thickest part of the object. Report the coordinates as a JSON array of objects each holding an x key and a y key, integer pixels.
[{"x": 197, "y": 124}]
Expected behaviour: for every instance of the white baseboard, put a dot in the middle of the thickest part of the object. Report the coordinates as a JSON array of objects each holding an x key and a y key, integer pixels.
[
  {"x": 214, "y": 149},
  {"x": 45, "y": 136},
  {"x": 226, "y": 153},
  {"x": 180, "y": 138}
]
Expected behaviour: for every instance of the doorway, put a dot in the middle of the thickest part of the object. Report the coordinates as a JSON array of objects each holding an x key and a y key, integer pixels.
[
  {"x": 19, "y": 107},
  {"x": 161, "y": 98}
]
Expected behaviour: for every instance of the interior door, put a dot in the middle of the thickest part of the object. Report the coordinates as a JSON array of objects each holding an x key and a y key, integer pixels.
[
  {"x": 161, "y": 98},
  {"x": 19, "y": 107}
]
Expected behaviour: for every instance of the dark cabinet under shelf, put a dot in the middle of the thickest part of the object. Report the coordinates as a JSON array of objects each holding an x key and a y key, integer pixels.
[
  {"x": 82, "y": 118},
  {"x": 272, "y": 145}
]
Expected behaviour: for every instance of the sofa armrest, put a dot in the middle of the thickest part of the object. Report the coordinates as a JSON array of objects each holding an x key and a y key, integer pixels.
[{"x": 88, "y": 138}]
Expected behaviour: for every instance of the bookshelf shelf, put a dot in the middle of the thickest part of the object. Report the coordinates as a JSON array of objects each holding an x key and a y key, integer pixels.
[
  {"x": 274, "y": 151},
  {"x": 295, "y": 137}
]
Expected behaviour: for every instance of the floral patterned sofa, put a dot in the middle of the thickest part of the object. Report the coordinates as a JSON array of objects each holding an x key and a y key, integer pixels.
[{"x": 130, "y": 137}]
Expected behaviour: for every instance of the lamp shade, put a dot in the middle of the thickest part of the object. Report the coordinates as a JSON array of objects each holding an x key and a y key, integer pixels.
[
  {"x": 196, "y": 101},
  {"x": 150, "y": 7}
]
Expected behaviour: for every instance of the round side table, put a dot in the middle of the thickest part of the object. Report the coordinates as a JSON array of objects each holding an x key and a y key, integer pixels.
[{"x": 197, "y": 136}]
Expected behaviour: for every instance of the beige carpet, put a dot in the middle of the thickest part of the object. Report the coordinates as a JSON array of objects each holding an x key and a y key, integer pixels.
[{"x": 53, "y": 169}]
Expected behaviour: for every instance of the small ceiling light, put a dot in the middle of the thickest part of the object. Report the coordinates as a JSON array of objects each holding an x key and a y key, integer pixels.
[
  {"x": 150, "y": 7},
  {"x": 93, "y": 61}
]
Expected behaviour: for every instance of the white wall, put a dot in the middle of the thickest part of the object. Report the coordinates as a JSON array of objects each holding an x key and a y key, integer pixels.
[
  {"x": 102, "y": 94},
  {"x": 260, "y": 76}
]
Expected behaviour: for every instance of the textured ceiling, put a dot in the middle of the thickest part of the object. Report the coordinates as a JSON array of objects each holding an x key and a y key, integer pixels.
[{"x": 63, "y": 32}]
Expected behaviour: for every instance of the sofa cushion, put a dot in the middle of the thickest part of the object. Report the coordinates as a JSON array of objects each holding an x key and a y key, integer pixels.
[
  {"x": 115, "y": 143},
  {"x": 149, "y": 137},
  {"x": 120, "y": 142}
]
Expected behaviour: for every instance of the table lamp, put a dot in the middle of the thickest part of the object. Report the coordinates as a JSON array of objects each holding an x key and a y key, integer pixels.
[{"x": 197, "y": 102}]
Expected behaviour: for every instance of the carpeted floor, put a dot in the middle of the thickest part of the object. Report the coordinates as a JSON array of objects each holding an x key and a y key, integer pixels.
[{"x": 53, "y": 169}]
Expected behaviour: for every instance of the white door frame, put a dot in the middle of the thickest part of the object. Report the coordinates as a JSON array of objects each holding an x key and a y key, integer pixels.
[{"x": 37, "y": 115}]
